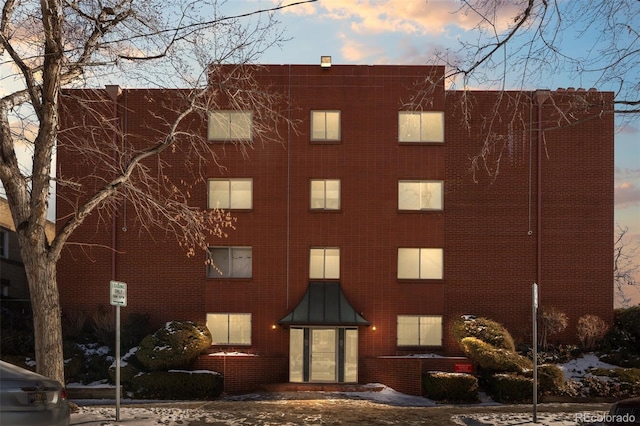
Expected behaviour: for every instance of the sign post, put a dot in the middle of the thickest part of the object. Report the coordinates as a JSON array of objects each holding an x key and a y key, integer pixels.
[
  {"x": 535, "y": 353},
  {"x": 118, "y": 298}
]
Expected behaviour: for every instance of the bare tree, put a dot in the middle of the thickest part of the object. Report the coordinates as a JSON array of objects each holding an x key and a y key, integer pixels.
[
  {"x": 522, "y": 44},
  {"x": 50, "y": 44},
  {"x": 625, "y": 271}
]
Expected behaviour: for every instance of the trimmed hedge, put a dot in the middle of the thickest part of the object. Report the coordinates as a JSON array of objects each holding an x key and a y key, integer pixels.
[
  {"x": 177, "y": 385},
  {"x": 175, "y": 345},
  {"x": 510, "y": 388},
  {"x": 450, "y": 387},
  {"x": 550, "y": 379},
  {"x": 490, "y": 358},
  {"x": 483, "y": 329}
]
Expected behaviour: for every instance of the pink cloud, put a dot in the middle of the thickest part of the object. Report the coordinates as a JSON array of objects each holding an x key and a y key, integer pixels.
[{"x": 626, "y": 194}]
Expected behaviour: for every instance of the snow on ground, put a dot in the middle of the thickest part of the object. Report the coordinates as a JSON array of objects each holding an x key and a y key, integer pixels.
[
  {"x": 145, "y": 413},
  {"x": 578, "y": 368}
]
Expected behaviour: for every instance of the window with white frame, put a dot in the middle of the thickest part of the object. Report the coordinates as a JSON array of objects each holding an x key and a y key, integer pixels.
[
  {"x": 420, "y": 263},
  {"x": 324, "y": 263},
  {"x": 420, "y": 195},
  {"x": 325, "y": 125},
  {"x": 229, "y": 329},
  {"x": 230, "y": 193},
  {"x": 229, "y": 262},
  {"x": 230, "y": 125},
  {"x": 421, "y": 126},
  {"x": 4, "y": 243},
  {"x": 325, "y": 194},
  {"x": 419, "y": 330}
]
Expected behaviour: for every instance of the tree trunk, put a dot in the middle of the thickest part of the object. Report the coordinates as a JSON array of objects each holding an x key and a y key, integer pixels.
[{"x": 45, "y": 303}]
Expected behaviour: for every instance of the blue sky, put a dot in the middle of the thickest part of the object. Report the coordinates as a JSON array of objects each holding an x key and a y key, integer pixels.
[{"x": 409, "y": 32}]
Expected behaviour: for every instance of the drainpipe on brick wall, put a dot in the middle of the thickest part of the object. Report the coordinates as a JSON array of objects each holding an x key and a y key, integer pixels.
[
  {"x": 114, "y": 91},
  {"x": 541, "y": 97}
]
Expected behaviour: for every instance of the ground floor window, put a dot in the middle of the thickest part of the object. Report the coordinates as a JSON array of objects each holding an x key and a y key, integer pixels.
[
  {"x": 419, "y": 330},
  {"x": 230, "y": 329}
]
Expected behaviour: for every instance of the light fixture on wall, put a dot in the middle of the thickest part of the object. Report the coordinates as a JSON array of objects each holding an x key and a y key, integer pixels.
[
  {"x": 325, "y": 61},
  {"x": 273, "y": 326},
  {"x": 373, "y": 328}
]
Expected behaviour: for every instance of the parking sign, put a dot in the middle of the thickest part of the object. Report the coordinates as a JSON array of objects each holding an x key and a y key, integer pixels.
[{"x": 118, "y": 293}]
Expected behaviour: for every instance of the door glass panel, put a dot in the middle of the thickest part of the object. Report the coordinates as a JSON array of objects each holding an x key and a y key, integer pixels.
[
  {"x": 323, "y": 355},
  {"x": 296, "y": 351},
  {"x": 351, "y": 356}
]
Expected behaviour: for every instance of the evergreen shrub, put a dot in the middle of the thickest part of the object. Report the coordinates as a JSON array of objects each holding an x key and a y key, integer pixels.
[
  {"x": 176, "y": 385},
  {"x": 510, "y": 388},
  {"x": 450, "y": 387}
]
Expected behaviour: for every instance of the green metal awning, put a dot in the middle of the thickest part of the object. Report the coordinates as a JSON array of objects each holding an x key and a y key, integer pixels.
[{"x": 323, "y": 304}]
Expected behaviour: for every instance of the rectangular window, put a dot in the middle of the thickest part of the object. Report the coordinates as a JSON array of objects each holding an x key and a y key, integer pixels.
[
  {"x": 417, "y": 126},
  {"x": 4, "y": 243},
  {"x": 420, "y": 195},
  {"x": 420, "y": 263},
  {"x": 230, "y": 193},
  {"x": 229, "y": 262},
  {"x": 230, "y": 329},
  {"x": 324, "y": 263},
  {"x": 230, "y": 125},
  {"x": 417, "y": 330},
  {"x": 325, "y": 194},
  {"x": 325, "y": 125}
]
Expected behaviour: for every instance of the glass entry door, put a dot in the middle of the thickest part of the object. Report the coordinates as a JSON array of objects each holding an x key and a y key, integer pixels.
[{"x": 323, "y": 354}]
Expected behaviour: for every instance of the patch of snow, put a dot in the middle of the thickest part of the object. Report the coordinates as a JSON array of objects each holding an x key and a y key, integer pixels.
[
  {"x": 196, "y": 372},
  {"x": 231, "y": 354},
  {"x": 579, "y": 368}
]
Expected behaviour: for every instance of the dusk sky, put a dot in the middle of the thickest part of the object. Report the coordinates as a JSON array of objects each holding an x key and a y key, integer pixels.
[{"x": 408, "y": 32}]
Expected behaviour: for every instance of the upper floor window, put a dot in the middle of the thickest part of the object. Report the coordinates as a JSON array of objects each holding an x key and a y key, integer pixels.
[
  {"x": 420, "y": 263},
  {"x": 325, "y": 125},
  {"x": 4, "y": 243},
  {"x": 420, "y": 195},
  {"x": 325, "y": 194},
  {"x": 419, "y": 330},
  {"x": 229, "y": 329},
  {"x": 421, "y": 126},
  {"x": 230, "y": 125},
  {"x": 229, "y": 262},
  {"x": 324, "y": 263},
  {"x": 230, "y": 193}
]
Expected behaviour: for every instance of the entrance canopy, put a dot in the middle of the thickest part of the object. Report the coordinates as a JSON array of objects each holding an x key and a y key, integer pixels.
[{"x": 323, "y": 304}]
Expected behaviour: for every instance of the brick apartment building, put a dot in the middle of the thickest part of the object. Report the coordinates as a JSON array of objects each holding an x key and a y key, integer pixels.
[{"x": 365, "y": 233}]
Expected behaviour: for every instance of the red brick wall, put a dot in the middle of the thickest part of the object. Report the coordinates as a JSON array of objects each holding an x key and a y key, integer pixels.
[
  {"x": 488, "y": 228},
  {"x": 404, "y": 374},
  {"x": 245, "y": 373},
  {"x": 491, "y": 226}
]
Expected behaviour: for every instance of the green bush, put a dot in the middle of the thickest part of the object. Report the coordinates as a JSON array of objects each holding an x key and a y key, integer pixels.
[
  {"x": 86, "y": 362},
  {"x": 550, "y": 379},
  {"x": 510, "y": 388},
  {"x": 628, "y": 375},
  {"x": 450, "y": 387},
  {"x": 483, "y": 329},
  {"x": 490, "y": 358},
  {"x": 176, "y": 385},
  {"x": 175, "y": 345},
  {"x": 134, "y": 330}
]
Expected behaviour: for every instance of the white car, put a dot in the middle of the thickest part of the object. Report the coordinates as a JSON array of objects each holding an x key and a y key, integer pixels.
[{"x": 29, "y": 399}]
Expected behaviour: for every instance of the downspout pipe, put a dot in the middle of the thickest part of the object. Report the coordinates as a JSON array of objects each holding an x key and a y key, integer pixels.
[
  {"x": 114, "y": 91},
  {"x": 541, "y": 97}
]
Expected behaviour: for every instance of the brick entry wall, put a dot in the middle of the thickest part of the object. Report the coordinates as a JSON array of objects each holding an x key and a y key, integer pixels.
[
  {"x": 404, "y": 374},
  {"x": 245, "y": 373}
]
